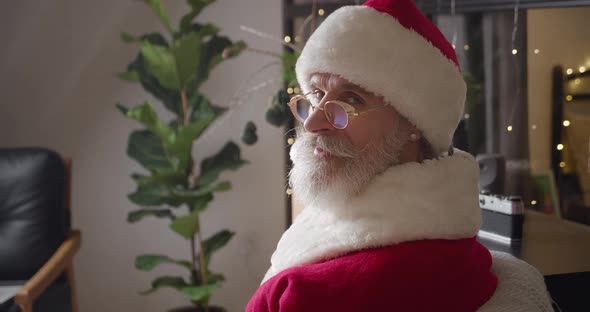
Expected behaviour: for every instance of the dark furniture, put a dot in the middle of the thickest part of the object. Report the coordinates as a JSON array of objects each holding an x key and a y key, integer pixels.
[
  {"x": 559, "y": 250},
  {"x": 37, "y": 244}
]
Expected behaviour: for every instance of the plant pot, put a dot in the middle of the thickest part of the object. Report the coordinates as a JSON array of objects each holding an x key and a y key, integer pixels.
[{"x": 197, "y": 309}]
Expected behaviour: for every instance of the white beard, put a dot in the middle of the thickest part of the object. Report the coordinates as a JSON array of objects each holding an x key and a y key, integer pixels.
[{"x": 315, "y": 180}]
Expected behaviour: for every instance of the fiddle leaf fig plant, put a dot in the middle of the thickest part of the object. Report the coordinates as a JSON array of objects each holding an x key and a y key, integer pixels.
[{"x": 172, "y": 67}]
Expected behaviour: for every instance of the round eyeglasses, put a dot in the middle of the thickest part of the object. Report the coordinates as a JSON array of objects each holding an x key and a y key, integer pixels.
[{"x": 338, "y": 113}]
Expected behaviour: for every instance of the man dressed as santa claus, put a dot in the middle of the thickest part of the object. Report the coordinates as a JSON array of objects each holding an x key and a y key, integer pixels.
[{"x": 391, "y": 209}]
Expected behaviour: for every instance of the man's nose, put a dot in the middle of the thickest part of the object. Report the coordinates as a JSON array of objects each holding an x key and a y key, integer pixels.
[{"x": 317, "y": 123}]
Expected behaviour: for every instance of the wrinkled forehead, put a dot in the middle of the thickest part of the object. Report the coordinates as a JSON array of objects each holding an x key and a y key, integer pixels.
[{"x": 329, "y": 82}]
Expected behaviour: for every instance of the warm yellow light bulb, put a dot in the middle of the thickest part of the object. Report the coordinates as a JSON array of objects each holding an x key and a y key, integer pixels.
[
  {"x": 514, "y": 51},
  {"x": 562, "y": 164},
  {"x": 569, "y": 98},
  {"x": 467, "y": 116},
  {"x": 569, "y": 71},
  {"x": 466, "y": 47},
  {"x": 509, "y": 128},
  {"x": 566, "y": 123},
  {"x": 289, "y": 191},
  {"x": 582, "y": 69},
  {"x": 321, "y": 12},
  {"x": 296, "y": 90},
  {"x": 559, "y": 147},
  {"x": 536, "y": 51},
  {"x": 290, "y": 141},
  {"x": 533, "y": 202},
  {"x": 290, "y": 90},
  {"x": 287, "y": 39}
]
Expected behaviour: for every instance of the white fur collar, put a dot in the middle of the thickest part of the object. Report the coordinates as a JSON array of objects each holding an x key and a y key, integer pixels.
[{"x": 436, "y": 199}]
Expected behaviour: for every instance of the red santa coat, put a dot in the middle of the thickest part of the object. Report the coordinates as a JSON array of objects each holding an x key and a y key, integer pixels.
[{"x": 405, "y": 244}]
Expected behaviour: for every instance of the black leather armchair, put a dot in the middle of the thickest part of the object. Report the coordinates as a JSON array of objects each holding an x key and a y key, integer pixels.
[{"x": 37, "y": 244}]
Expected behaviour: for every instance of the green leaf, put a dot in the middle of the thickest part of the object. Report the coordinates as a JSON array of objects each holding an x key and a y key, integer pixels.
[
  {"x": 188, "y": 134},
  {"x": 205, "y": 30},
  {"x": 235, "y": 49},
  {"x": 276, "y": 117},
  {"x": 182, "y": 145},
  {"x": 170, "y": 98},
  {"x": 186, "y": 226},
  {"x": 135, "y": 216},
  {"x": 146, "y": 115},
  {"x": 249, "y": 137},
  {"x": 220, "y": 187},
  {"x": 212, "y": 278},
  {"x": 172, "y": 180},
  {"x": 215, "y": 242},
  {"x": 158, "y": 190},
  {"x": 227, "y": 159},
  {"x": 153, "y": 38},
  {"x": 132, "y": 76},
  {"x": 198, "y": 293},
  {"x": 154, "y": 194},
  {"x": 175, "y": 282},
  {"x": 127, "y": 37},
  {"x": 289, "y": 60},
  {"x": 122, "y": 109},
  {"x": 279, "y": 113},
  {"x": 149, "y": 262},
  {"x": 158, "y": 8},
  {"x": 200, "y": 203},
  {"x": 196, "y": 7},
  {"x": 161, "y": 63},
  {"x": 202, "y": 109},
  {"x": 174, "y": 67},
  {"x": 147, "y": 149},
  {"x": 177, "y": 148},
  {"x": 208, "y": 189},
  {"x": 187, "y": 52},
  {"x": 211, "y": 55}
]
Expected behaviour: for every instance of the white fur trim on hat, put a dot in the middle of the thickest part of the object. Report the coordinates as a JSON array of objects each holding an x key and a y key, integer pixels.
[
  {"x": 373, "y": 50},
  {"x": 436, "y": 199}
]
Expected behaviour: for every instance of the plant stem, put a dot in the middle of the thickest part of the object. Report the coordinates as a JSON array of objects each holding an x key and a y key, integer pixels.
[
  {"x": 203, "y": 265},
  {"x": 184, "y": 107},
  {"x": 193, "y": 261}
]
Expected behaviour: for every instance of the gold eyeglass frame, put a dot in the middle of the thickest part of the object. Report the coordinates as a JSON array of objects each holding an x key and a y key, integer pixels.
[{"x": 351, "y": 111}]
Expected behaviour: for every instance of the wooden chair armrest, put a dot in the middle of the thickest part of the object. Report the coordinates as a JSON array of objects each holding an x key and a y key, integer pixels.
[{"x": 48, "y": 272}]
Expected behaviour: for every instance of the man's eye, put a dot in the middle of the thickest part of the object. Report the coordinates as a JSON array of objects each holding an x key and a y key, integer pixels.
[
  {"x": 318, "y": 94},
  {"x": 353, "y": 100}
]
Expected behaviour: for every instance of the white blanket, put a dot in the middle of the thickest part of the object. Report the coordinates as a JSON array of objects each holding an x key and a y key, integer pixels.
[{"x": 521, "y": 287}]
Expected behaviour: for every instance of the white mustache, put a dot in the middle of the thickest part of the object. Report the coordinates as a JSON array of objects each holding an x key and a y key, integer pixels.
[{"x": 334, "y": 146}]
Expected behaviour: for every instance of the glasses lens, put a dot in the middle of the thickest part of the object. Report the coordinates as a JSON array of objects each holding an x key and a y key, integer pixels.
[
  {"x": 303, "y": 108},
  {"x": 336, "y": 115}
]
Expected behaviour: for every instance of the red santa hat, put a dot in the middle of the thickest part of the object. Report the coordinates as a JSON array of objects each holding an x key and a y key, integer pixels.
[{"x": 391, "y": 49}]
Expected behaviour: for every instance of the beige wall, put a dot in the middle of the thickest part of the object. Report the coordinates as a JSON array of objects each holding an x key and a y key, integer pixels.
[
  {"x": 561, "y": 35},
  {"x": 58, "y": 90}
]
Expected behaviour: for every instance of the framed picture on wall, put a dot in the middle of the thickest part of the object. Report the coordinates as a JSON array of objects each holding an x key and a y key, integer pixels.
[{"x": 545, "y": 196}]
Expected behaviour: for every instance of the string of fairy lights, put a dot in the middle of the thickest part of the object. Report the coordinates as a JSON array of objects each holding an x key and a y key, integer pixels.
[
  {"x": 566, "y": 123},
  {"x": 568, "y": 98}
]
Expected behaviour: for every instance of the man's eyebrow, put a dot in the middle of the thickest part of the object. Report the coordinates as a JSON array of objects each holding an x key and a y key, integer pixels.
[{"x": 320, "y": 82}]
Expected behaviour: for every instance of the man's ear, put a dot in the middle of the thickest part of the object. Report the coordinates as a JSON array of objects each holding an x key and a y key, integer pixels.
[{"x": 415, "y": 134}]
